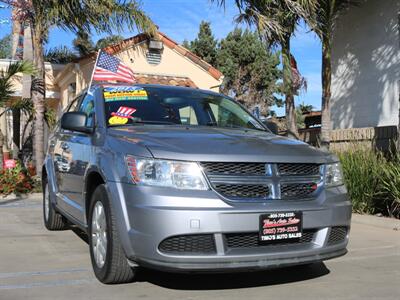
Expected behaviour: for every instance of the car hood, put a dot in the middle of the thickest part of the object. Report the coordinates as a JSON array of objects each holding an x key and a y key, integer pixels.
[{"x": 218, "y": 144}]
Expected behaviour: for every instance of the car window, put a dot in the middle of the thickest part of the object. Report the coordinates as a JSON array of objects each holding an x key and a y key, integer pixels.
[
  {"x": 87, "y": 106},
  {"x": 187, "y": 115},
  {"x": 126, "y": 105},
  {"x": 227, "y": 113},
  {"x": 72, "y": 106}
]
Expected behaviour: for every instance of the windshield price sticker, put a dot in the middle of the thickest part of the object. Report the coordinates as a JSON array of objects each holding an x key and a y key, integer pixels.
[
  {"x": 124, "y": 94},
  {"x": 280, "y": 226},
  {"x": 121, "y": 116}
]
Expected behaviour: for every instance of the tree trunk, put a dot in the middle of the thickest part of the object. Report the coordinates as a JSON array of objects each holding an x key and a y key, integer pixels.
[
  {"x": 1, "y": 150},
  {"x": 288, "y": 88},
  {"x": 16, "y": 53},
  {"x": 398, "y": 127},
  {"x": 38, "y": 97},
  {"x": 16, "y": 113},
  {"x": 326, "y": 124}
]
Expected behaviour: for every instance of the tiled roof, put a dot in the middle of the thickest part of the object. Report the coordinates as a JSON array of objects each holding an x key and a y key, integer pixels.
[
  {"x": 313, "y": 114},
  {"x": 168, "y": 42},
  {"x": 165, "y": 80}
]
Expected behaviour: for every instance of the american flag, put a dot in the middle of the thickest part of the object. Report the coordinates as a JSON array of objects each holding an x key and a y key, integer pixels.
[{"x": 109, "y": 67}]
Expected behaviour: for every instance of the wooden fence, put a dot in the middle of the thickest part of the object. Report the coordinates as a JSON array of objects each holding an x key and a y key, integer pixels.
[{"x": 382, "y": 138}]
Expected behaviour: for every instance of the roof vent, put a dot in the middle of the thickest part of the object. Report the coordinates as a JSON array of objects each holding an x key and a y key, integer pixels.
[
  {"x": 156, "y": 45},
  {"x": 153, "y": 57}
]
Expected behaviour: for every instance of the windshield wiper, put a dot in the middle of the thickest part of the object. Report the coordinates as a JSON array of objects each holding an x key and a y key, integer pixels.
[
  {"x": 234, "y": 126},
  {"x": 154, "y": 122},
  {"x": 143, "y": 122}
]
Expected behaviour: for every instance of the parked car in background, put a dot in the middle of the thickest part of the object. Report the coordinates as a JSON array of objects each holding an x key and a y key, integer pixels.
[{"x": 187, "y": 180}]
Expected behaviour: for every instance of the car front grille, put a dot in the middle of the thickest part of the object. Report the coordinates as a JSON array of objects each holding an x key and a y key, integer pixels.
[
  {"x": 251, "y": 240},
  {"x": 189, "y": 244},
  {"x": 337, "y": 235},
  {"x": 285, "y": 169},
  {"x": 229, "y": 168},
  {"x": 297, "y": 190},
  {"x": 242, "y": 190},
  {"x": 263, "y": 181}
]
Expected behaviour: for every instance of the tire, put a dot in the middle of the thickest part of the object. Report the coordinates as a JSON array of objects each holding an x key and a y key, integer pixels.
[
  {"x": 112, "y": 267},
  {"x": 52, "y": 219}
]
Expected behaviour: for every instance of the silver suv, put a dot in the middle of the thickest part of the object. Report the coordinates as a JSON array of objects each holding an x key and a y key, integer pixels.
[{"x": 187, "y": 180}]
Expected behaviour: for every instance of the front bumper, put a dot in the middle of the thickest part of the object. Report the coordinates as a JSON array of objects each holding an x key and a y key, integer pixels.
[
  {"x": 239, "y": 264},
  {"x": 147, "y": 216}
]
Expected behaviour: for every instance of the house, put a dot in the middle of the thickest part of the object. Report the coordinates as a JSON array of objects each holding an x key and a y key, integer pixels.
[
  {"x": 161, "y": 61},
  {"x": 366, "y": 68}
]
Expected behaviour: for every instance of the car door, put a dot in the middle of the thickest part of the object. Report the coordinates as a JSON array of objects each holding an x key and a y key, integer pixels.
[
  {"x": 57, "y": 148},
  {"x": 75, "y": 153}
]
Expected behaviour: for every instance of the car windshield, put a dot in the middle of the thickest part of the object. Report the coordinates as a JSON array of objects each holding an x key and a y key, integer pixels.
[{"x": 128, "y": 105}]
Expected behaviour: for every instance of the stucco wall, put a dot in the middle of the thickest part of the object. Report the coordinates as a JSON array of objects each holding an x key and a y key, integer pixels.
[
  {"x": 172, "y": 63},
  {"x": 366, "y": 66}
]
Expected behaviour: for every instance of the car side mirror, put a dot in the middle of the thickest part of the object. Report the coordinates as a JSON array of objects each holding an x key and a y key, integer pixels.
[
  {"x": 272, "y": 126},
  {"x": 75, "y": 121}
]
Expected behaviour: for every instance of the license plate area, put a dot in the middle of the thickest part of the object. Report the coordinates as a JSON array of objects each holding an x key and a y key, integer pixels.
[{"x": 281, "y": 226}]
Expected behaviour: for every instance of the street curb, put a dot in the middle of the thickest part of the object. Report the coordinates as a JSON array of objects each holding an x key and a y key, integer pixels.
[
  {"x": 383, "y": 222},
  {"x": 20, "y": 197}
]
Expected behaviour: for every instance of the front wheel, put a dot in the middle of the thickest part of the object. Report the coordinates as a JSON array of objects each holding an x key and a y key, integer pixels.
[{"x": 108, "y": 258}]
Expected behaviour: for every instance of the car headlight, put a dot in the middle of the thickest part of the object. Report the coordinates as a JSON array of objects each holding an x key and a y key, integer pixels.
[
  {"x": 166, "y": 173},
  {"x": 333, "y": 175}
]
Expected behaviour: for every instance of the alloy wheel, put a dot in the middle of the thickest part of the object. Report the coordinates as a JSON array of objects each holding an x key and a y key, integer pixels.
[{"x": 99, "y": 234}]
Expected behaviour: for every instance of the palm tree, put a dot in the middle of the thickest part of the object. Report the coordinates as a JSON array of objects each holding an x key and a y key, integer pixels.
[
  {"x": 72, "y": 15},
  {"x": 83, "y": 44},
  {"x": 7, "y": 90},
  {"x": 276, "y": 21},
  {"x": 305, "y": 108},
  {"x": 323, "y": 24},
  {"x": 108, "y": 41},
  {"x": 60, "y": 55}
]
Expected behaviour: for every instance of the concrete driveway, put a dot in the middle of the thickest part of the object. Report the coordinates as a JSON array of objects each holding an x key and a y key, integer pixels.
[{"x": 38, "y": 264}]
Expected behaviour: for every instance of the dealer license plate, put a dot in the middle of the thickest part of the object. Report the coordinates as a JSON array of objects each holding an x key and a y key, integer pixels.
[{"x": 281, "y": 226}]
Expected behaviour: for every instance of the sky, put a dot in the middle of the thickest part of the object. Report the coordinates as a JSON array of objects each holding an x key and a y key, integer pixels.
[{"x": 180, "y": 19}]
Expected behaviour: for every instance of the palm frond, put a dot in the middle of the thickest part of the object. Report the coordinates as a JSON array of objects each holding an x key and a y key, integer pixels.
[
  {"x": 6, "y": 86},
  {"x": 60, "y": 55},
  {"x": 327, "y": 12},
  {"x": 21, "y": 66},
  {"x": 275, "y": 19},
  {"x": 6, "y": 90},
  {"x": 87, "y": 15}
]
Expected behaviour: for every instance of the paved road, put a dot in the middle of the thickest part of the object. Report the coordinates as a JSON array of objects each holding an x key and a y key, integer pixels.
[{"x": 38, "y": 264}]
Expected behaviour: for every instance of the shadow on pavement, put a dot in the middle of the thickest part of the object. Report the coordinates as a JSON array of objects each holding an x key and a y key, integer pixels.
[
  {"x": 232, "y": 280},
  {"x": 79, "y": 233}
]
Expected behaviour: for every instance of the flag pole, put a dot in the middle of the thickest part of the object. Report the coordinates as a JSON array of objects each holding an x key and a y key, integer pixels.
[{"x": 94, "y": 68}]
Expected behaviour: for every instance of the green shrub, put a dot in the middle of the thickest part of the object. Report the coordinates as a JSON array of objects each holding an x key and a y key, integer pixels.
[
  {"x": 372, "y": 181},
  {"x": 391, "y": 187}
]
